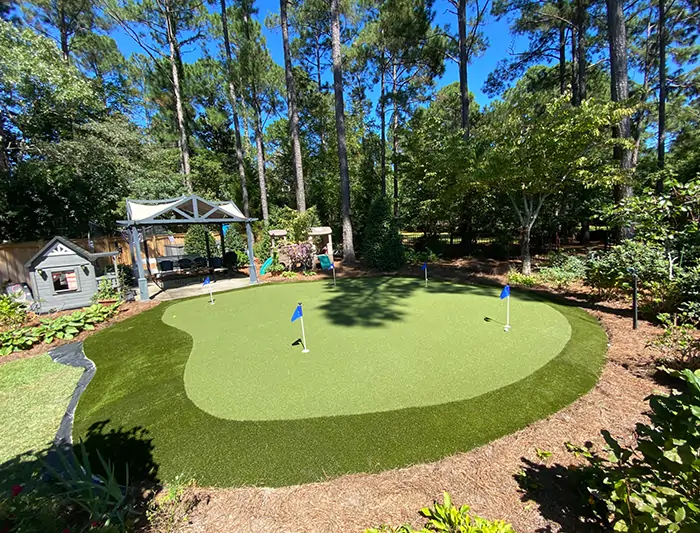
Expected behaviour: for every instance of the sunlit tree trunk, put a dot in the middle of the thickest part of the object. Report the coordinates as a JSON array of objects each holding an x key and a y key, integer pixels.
[
  {"x": 292, "y": 108},
  {"x": 619, "y": 85},
  {"x": 463, "y": 66},
  {"x": 661, "y": 144},
  {"x": 260, "y": 148},
  {"x": 234, "y": 113},
  {"x": 177, "y": 90},
  {"x": 348, "y": 246},
  {"x": 382, "y": 120}
]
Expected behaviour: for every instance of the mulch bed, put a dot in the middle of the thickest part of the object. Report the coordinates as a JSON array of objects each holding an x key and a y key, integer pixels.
[
  {"x": 126, "y": 310},
  {"x": 484, "y": 478}
]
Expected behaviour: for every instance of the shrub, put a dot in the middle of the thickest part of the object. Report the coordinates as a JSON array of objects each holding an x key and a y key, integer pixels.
[
  {"x": 106, "y": 291},
  {"x": 447, "y": 518},
  {"x": 171, "y": 509},
  {"x": 289, "y": 274},
  {"x": 297, "y": 224},
  {"x": 196, "y": 241},
  {"x": 62, "y": 327},
  {"x": 301, "y": 256},
  {"x": 382, "y": 246},
  {"x": 679, "y": 342},
  {"x": 241, "y": 259},
  {"x": 263, "y": 245},
  {"x": 13, "y": 313},
  {"x": 563, "y": 270},
  {"x": 652, "y": 485},
  {"x": 518, "y": 278},
  {"x": 610, "y": 274},
  {"x": 418, "y": 258},
  {"x": 234, "y": 240}
]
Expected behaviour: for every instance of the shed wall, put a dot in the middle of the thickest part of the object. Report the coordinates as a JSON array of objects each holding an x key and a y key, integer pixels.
[{"x": 43, "y": 284}]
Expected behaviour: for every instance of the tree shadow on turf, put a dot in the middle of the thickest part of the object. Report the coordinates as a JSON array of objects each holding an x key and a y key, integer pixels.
[
  {"x": 374, "y": 301},
  {"x": 128, "y": 451},
  {"x": 560, "y": 494}
]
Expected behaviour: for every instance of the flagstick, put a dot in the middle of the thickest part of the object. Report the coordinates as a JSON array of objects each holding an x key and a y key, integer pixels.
[
  {"x": 333, "y": 269},
  {"x": 507, "y": 327},
  {"x": 211, "y": 295},
  {"x": 303, "y": 335},
  {"x": 426, "y": 276}
]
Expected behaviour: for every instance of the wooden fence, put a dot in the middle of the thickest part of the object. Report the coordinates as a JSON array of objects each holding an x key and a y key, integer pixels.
[{"x": 13, "y": 256}]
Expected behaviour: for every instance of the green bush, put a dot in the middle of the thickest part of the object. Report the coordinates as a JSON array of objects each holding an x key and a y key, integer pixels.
[
  {"x": 61, "y": 327},
  {"x": 196, "y": 241},
  {"x": 13, "y": 313},
  {"x": 263, "y": 244},
  {"x": 679, "y": 343},
  {"x": 610, "y": 273},
  {"x": 516, "y": 277},
  {"x": 297, "y": 224},
  {"x": 382, "y": 247},
  {"x": 234, "y": 240},
  {"x": 289, "y": 274},
  {"x": 653, "y": 485},
  {"x": 106, "y": 291},
  {"x": 418, "y": 258},
  {"x": 563, "y": 270},
  {"x": 447, "y": 518}
]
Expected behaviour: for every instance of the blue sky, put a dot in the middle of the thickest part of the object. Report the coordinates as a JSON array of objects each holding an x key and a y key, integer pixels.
[{"x": 497, "y": 33}]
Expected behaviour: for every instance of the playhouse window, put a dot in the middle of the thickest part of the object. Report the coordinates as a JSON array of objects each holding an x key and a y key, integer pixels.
[{"x": 65, "y": 280}]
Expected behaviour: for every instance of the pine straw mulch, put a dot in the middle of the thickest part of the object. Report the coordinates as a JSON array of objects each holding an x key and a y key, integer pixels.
[
  {"x": 126, "y": 310},
  {"x": 484, "y": 478}
]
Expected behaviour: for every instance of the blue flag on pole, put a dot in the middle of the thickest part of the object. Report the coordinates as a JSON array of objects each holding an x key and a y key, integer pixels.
[
  {"x": 424, "y": 266},
  {"x": 297, "y": 313},
  {"x": 331, "y": 267},
  {"x": 207, "y": 281},
  {"x": 505, "y": 292}
]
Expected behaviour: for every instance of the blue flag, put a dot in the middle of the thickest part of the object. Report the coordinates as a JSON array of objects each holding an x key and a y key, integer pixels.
[
  {"x": 505, "y": 292},
  {"x": 331, "y": 267},
  {"x": 424, "y": 266},
  {"x": 207, "y": 281},
  {"x": 297, "y": 313}
]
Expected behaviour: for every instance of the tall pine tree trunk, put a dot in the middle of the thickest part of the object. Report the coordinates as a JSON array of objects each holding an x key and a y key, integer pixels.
[
  {"x": 463, "y": 73},
  {"x": 260, "y": 148},
  {"x": 395, "y": 143},
  {"x": 177, "y": 90},
  {"x": 562, "y": 50},
  {"x": 382, "y": 120},
  {"x": 661, "y": 144},
  {"x": 234, "y": 112},
  {"x": 292, "y": 108},
  {"x": 581, "y": 63},
  {"x": 348, "y": 246},
  {"x": 619, "y": 88}
]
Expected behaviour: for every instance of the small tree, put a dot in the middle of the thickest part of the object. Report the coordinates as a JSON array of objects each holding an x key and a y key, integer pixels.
[
  {"x": 382, "y": 247},
  {"x": 536, "y": 145},
  {"x": 196, "y": 241}
]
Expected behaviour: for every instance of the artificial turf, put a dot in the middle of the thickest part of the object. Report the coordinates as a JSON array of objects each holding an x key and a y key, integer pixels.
[
  {"x": 436, "y": 348},
  {"x": 34, "y": 394},
  {"x": 141, "y": 365}
]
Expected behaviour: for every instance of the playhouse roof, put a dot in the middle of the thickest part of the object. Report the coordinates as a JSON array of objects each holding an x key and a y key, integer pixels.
[{"x": 62, "y": 246}]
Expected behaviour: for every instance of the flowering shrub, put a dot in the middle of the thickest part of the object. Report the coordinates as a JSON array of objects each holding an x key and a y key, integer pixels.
[{"x": 301, "y": 256}]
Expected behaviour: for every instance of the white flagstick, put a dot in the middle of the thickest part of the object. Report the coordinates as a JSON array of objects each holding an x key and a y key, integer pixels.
[
  {"x": 426, "y": 276},
  {"x": 333, "y": 269},
  {"x": 303, "y": 335},
  {"x": 507, "y": 327},
  {"x": 211, "y": 295}
]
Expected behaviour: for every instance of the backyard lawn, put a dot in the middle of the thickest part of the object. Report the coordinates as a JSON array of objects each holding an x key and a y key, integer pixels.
[
  {"x": 396, "y": 374},
  {"x": 34, "y": 394}
]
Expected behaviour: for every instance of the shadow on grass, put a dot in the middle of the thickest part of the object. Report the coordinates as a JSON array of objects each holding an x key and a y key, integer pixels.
[
  {"x": 128, "y": 451},
  {"x": 561, "y": 496},
  {"x": 373, "y": 301}
]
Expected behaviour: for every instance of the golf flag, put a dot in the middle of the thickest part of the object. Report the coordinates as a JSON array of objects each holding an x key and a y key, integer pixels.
[
  {"x": 505, "y": 294},
  {"x": 298, "y": 314},
  {"x": 207, "y": 281},
  {"x": 424, "y": 266},
  {"x": 332, "y": 267}
]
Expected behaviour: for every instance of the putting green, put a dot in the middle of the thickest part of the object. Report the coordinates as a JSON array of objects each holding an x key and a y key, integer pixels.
[
  {"x": 397, "y": 374},
  {"x": 436, "y": 347}
]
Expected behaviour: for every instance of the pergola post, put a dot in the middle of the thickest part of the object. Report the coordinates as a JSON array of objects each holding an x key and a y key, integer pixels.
[
  {"x": 251, "y": 255},
  {"x": 136, "y": 248}
]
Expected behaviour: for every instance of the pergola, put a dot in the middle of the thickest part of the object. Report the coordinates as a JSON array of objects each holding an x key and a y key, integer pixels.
[{"x": 190, "y": 209}]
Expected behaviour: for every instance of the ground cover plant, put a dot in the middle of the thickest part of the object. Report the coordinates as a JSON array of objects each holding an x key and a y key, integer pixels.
[
  {"x": 64, "y": 327},
  {"x": 654, "y": 484},
  {"x": 34, "y": 394},
  {"x": 148, "y": 375}
]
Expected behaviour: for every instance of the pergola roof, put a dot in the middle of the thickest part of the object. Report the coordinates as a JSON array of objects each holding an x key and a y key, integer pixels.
[{"x": 190, "y": 209}]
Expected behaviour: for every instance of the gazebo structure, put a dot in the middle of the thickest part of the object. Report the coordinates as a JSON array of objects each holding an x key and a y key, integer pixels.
[{"x": 190, "y": 209}]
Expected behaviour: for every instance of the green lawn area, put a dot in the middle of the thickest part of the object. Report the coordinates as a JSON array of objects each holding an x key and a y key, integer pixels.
[
  {"x": 396, "y": 375},
  {"x": 34, "y": 394}
]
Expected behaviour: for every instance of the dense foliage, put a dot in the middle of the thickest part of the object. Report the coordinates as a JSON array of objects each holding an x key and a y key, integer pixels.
[
  {"x": 381, "y": 244},
  {"x": 653, "y": 485}
]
